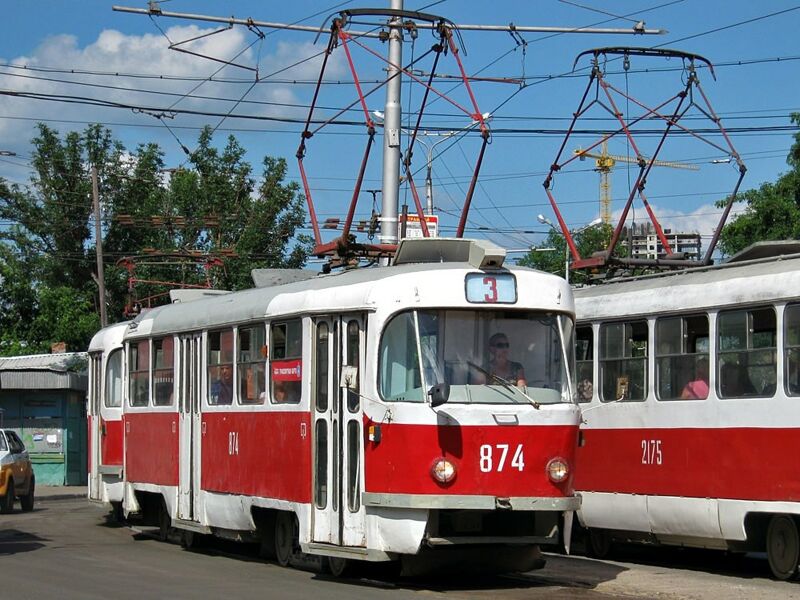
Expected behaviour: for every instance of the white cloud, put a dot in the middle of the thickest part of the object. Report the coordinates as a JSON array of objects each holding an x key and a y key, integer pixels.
[
  {"x": 703, "y": 220},
  {"x": 117, "y": 52}
]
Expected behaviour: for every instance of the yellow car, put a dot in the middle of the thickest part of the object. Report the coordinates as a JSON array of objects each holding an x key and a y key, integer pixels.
[{"x": 16, "y": 473}]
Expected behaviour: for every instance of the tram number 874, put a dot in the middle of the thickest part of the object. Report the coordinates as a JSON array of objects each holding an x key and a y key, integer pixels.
[{"x": 488, "y": 463}]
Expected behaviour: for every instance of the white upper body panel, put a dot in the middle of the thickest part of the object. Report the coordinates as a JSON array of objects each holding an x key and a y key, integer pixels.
[
  {"x": 383, "y": 290},
  {"x": 694, "y": 289}
]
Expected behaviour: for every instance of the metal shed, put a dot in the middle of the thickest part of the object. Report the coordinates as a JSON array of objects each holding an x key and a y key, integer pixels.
[{"x": 43, "y": 399}]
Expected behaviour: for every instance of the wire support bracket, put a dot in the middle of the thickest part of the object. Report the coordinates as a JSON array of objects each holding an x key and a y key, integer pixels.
[{"x": 600, "y": 93}]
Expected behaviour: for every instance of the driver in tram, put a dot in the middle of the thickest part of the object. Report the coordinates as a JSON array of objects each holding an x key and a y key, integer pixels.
[{"x": 501, "y": 365}]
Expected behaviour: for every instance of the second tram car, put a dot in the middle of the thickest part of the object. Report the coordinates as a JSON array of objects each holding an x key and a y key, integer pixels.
[
  {"x": 690, "y": 389},
  {"x": 355, "y": 415}
]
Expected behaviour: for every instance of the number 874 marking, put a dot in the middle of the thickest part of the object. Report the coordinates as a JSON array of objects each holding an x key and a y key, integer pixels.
[{"x": 487, "y": 459}]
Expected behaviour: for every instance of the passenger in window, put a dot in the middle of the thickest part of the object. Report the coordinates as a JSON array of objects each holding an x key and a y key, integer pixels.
[
  {"x": 285, "y": 392},
  {"x": 585, "y": 390},
  {"x": 499, "y": 363},
  {"x": 793, "y": 363},
  {"x": 697, "y": 389},
  {"x": 279, "y": 393},
  {"x": 734, "y": 382},
  {"x": 222, "y": 388}
]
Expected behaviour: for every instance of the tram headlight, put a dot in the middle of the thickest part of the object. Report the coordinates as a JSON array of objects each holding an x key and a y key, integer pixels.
[
  {"x": 557, "y": 470},
  {"x": 443, "y": 471}
]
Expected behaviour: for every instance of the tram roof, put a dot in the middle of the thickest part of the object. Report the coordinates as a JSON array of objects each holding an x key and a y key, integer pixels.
[
  {"x": 764, "y": 280},
  {"x": 108, "y": 337},
  {"x": 339, "y": 292}
]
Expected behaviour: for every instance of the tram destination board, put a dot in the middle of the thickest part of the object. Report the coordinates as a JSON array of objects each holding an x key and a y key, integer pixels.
[{"x": 494, "y": 288}]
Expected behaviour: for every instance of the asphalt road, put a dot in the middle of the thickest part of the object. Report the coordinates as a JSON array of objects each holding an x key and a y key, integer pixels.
[{"x": 66, "y": 548}]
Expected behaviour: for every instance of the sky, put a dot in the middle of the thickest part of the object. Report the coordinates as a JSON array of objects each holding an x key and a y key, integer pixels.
[{"x": 75, "y": 57}]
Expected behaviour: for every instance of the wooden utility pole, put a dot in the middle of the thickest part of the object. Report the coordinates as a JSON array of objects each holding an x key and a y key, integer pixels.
[{"x": 98, "y": 242}]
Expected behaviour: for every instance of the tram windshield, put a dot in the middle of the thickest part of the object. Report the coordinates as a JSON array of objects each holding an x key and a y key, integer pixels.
[{"x": 486, "y": 357}]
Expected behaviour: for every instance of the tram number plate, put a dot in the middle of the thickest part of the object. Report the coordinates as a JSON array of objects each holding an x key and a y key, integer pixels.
[
  {"x": 651, "y": 452},
  {"x": 495, "y": 458},
  {"x": 233, "y": 443},
  {"x": 496, "y": 288}
]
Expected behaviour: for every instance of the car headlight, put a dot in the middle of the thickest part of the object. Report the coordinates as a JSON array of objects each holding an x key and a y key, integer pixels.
[
  {"x": 443, "y": 471},
  {"x": 557, "y": 469}
]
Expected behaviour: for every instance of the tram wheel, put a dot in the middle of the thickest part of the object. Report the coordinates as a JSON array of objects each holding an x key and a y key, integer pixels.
[
  {"x": 164, "y": 522},
  {"x": 598, "y": 543},
  {"x": 266, "y": 528},
  {"x": 338, "y": 566},
  {"x": 285, "y": 537},
  {"x": 191, "y": 540},
  {"x": 117, "y": 514},
  {"x": 783, "y": 547}
]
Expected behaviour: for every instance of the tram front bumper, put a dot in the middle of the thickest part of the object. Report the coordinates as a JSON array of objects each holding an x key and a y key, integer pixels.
[{"x": 430, "y": 501}]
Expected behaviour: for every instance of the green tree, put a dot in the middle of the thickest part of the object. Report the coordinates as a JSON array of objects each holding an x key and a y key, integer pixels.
[
  {"x": 213, "y": 209},
  {"x": 48, "y": 244},
  {"x": 551, "y": 256},
  {"x": 212, "y": 212},
  {"x": 772, "y": 211}
]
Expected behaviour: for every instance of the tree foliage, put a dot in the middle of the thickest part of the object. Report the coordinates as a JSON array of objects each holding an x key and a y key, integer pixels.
[
  {"x": 551, "y": 256},
  {"x": 207, "y": 223},
  {"x": 772, "y": 211}
]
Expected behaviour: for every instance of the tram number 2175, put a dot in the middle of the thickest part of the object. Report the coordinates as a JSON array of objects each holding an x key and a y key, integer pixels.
[
  {"x": 651, "y": 452},
  {"x": 494, "y": 458}
]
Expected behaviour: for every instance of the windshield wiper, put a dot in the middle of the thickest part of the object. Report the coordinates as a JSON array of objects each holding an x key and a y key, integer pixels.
[{"x": 504, "y": 382}]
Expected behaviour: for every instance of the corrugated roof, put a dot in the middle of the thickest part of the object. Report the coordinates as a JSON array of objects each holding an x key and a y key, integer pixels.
[{"x": 64, "y": 362}]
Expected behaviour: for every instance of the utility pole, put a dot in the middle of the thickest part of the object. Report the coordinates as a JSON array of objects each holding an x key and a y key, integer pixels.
[
  {"x": 390, "y": 197},
  {"x": 98, "y": 242}
]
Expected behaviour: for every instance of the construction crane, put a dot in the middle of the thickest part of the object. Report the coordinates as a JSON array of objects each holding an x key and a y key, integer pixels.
[{"x": 604, "y": 163}]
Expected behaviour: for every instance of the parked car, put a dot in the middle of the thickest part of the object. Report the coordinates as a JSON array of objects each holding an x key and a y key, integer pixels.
[{"x": 16, "y": 473}]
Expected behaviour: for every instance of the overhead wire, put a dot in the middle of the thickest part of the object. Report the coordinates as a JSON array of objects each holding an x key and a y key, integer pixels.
[{"x": 696, "y": 35}]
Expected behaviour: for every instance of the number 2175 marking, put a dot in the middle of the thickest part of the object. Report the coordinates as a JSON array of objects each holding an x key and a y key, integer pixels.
[{"x": 651, "y": 452}]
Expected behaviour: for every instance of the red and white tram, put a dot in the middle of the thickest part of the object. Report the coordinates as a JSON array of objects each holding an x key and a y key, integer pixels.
[
  {"x": 354, "y": 415},
  {"x": 104, "y": 414},
  {"x": 690, "y": 384}
]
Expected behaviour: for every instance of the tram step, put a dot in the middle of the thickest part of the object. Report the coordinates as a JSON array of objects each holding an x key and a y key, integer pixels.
[{"x": 191, "y": 526}]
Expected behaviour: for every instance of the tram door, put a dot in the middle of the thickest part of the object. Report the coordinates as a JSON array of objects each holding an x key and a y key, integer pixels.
[
  {"x": 191, "y": 369},
  {"x": 338, "y": 452},
  {"x": 95, "y": 386},
  {"x": 106, "y": 439}
]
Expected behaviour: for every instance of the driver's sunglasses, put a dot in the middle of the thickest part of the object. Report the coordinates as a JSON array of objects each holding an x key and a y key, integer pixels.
[{"x": 500, "y": 345}]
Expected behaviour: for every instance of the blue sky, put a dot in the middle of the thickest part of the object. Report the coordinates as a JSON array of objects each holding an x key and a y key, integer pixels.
[{"x": 756, "y": 58}]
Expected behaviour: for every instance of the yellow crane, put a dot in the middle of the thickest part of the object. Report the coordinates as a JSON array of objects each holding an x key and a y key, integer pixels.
[{"x": 604, "y": 163}]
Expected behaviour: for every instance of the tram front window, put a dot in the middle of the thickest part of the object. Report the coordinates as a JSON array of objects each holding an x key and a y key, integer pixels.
[{"x": 487, "y": 357}]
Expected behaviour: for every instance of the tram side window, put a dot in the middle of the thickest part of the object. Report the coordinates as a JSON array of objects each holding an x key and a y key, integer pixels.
[
  {"x": 353, "y": 452},
  {"x": 584, "y": 362},
  {"x": 164, "y": 371},
  {"x": 94, "y": 382},
  {"x": 220, "y": 367},
  {"x": 682, "y": 358},
  {"x": 791, "y": 321},
  {"x": 623, "y": 361},
  {"x": 286, "y": 361},
  {"x": 747, "y": 353},
  {"x": 353, "y": 352},
  {"x": 251, "y": 367},
  {"x": 323, "y": 369},
  {"x": 113, "y": 390},
  {"x": 139, "y": 370}
]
